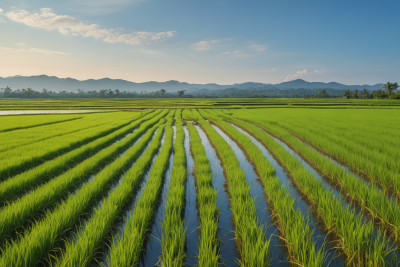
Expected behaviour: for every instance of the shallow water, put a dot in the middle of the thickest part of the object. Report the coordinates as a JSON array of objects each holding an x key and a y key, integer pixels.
[
  {"x": 331, "y": 258},
  {"x": 226, "y": 234},
  {"x": 120, "y": 226},
  {"x": 191, "y": 216},
  {"x": 153, "y": 246},
  {"x": 33, "y": 112},
  {"x": 279, "y": 257}
]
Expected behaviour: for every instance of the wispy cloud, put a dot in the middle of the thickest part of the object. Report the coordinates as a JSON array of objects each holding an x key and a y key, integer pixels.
[
  {"x": 204, "y": 45},
  {"x": 69, "y": 25},
  {"x": 230, "y": 53},
  {"x": 33, "y": 51},
  {"x": 303, "y": 73},
  {"x": 150, "y": 52},
  {"x": 258, "y": 48},
  {"x": 21, "y": 44}
]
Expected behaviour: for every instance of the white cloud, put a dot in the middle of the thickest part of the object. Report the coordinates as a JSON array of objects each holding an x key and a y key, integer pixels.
[
  {"x": 20, "y": 44},
  {"x": 68, "y": 25},
  {"x": 230, "y": 53},
  {"x": 204, "y": 45},
  {"x": 1, "y": 10},
  {"x": 303, "y": 73},
  {"x": 150, "y": 52},
  {"x": 275, "y": 69},
  {"x": 33, "y": 51},
  {"x": 258, "y": 48}
]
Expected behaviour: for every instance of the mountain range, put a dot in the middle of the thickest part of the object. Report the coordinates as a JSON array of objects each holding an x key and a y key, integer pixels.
[{"x": 56, "y": 84}]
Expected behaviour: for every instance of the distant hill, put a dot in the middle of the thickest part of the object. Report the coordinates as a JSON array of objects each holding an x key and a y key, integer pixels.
[{"x": 68, "y": 84}]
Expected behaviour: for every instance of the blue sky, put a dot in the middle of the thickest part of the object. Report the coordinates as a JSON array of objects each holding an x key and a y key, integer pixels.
[{"x": 226, "y": 42}]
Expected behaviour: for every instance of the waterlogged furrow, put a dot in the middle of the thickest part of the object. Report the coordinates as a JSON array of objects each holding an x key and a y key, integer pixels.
[
  {"x": 126, "y": 248},
  {"x": 20, "y": 159},
  {"x": 291, "y": 223},
  {"x": 25, "y": 208},
  {"x": 208, "y": 246},
  {"x": 173, "y": 238},
  {"x": 191, "y": 220},
  {"x": 153, "y": 248},
  {"x": 354, "y": 237},
  {"x": 227, "y": 249},
  {"x": 83, "y": 250},
  {"x": 373, "y": 202},
  {"x": 250, "y": 237},
  {"x": 44, "y": 235},
  {"x": 22, "y": 183}
]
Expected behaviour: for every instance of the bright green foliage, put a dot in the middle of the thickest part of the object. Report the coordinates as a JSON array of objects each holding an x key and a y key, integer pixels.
[
  {"x": 354, "y": 237},
  {"x": 43, "y": 236},
  {"x": 187, "y": 114},
  {"x": 81, "y": 252},
  {"x": 22, "y": 157},
  {"x": 125, "y": 250},
  {"x": 250, "y": 237},
  {"x": 173, "y": 239},
  {"x": 20, "y": 184},
  {"x": 296, "y": 232},
  {"x": 207, "y": 203},
  {"x": 11, "y": 123},
  {"x": 25, "y": 208}
]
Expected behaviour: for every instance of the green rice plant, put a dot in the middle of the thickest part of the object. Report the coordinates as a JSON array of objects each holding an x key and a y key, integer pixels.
[
  {"x": 354, "y": 237},
  {"x": 22, "y": 183},
  {"x": 207, "y": 203},
  {"x": 12, "y": 123},
  {"x": 174, "y": 233},
  {"x": 250, "y": 237},
  {"x": 126, "y": 248},
  {"x": 19, "y": 212},
  {"x": 292, "y": 225},
  {"x": 82, "y": 251},
  {"x": 42, "y": 237},
  {"x": 20, "y": 159},
  {"x": 188, "y": 115},
  {"x": 373, "y": 202},
  {"x": 22, "y": 137}
]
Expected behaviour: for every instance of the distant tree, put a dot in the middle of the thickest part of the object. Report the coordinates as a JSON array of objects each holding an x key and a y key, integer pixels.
[
  {"x": 355, "y": 93},
  {"x": 44, "y": 91},
  {"x": 181, "y": 93},
  {"x": 347, "y": 94},
  {"x": 390, "y": 87},
  {"x": 365, "y": 94},
  {"x": 162, "y": 91},
  {"x": 7, "y": 91}
]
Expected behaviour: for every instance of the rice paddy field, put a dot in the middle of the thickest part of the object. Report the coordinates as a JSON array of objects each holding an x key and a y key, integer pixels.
[{"x": 200, "y": 184}]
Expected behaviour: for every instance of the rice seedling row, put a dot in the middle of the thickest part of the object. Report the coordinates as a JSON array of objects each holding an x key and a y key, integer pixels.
[
  {"x": 126, "y": 248},
  {"x": 208, "y": 247},
  {"x": 373, "y": 202},
  {"x": 25, "y": 208},
  {"x": 173, "y": 237},
  {"x": 20, "y": 159},
  {"x": 292, "y": 225},
  {"x": 250, "y": 237},
  {"x": 11, "y": 123},
  {"x": 191, "y": 215},
  {"x": 42, "y": 237},
  {"x": 227, "y": 249},
  {"x": 365, "y": 248},
  {"x": 27, "y": 181},
  {"x": 83, "y": 250}
]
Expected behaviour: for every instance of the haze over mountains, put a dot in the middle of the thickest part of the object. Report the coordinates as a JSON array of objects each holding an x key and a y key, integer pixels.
[{"x": 56, "y": 84}]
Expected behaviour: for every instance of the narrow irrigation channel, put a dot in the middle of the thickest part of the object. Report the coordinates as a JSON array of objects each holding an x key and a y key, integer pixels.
[
  {"x": 226, "y": 234},
  {"x": 332, "y": 257},
  {"x": 347, "y": 204},
  {"x": 119, "y": 230},
  {"x": 191, "y": 217},
  {"x": 279, "y": 256},
  {"x": 153, "y": 247}
]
